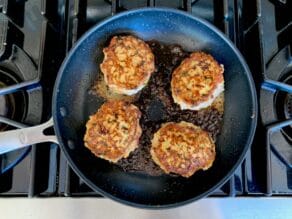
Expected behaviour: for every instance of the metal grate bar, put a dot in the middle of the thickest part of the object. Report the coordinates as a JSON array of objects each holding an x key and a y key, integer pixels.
[
  {"x": 270, "y": 129},
  {"x": 42, "y": 46},
  {"x": 31, "y": 189},
  {"x": 19, "y": 86},
  {"x": 4, "y": 6},
  {"x": 225, "y": 17},
  {"x": 244, "y": 178},
  {"x": 12, "y": 122},
  {"x": 74, "y": 30},
  {"x": 276, "y": 85},
  {"x": 150, "y": 3},
  {"x": 43, "y": 7},
  {"x": 67, "y": 191},
  {"x": 115, "y": 6},
  {"x": 232, "y": 191},
  {"x": 237, "y": 20},
  {"x": 187, "y": 5}
]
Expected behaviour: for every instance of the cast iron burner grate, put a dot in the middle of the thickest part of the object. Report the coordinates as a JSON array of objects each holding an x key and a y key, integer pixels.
[
  {"x": 288, "y": 100},
  {"x": 16, "y": 105},
  {"x": 13, "y": 105},
  {"x": 288, "y": 106},
  {"x": 284, "y": 107},
  {"x": 23, "y": 32},
  {"x": 36, "y": 34}
]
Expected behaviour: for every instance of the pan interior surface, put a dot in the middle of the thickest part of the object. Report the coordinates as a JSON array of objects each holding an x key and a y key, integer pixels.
[{"x": 73, "y": 103}]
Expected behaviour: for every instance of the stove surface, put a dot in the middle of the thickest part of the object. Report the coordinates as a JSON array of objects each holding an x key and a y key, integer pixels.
[{"x": 36, "y": 35}]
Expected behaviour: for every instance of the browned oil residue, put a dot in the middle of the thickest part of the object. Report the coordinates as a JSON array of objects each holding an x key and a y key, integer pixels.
[
  {"x": 219, "y": 103},
  {"x": 103, "y": 91}
]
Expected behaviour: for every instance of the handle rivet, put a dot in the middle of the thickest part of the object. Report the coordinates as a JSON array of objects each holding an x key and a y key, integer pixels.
[
  {"x": 71, "y": 144},
  {"x": 22, "y": 138},
  {"x": 63, "y": 111}
]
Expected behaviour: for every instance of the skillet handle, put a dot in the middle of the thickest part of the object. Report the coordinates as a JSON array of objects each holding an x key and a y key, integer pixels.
[{"x": 19, "y": 138}]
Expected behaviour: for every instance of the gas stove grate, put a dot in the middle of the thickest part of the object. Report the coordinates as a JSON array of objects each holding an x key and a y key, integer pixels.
[{"x": 42, "y": 32}]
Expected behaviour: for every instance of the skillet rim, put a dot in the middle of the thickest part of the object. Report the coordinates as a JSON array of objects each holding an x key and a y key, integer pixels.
[{"x": 228, "y": 42}]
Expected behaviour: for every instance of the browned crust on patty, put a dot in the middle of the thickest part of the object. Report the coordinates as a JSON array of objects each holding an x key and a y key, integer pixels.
[
  {"x": 128, "y": 64},
  {"x": 195, "y": 79},
  {"x": 182, "y": 148},
  {"x": 113, "y": 131}
]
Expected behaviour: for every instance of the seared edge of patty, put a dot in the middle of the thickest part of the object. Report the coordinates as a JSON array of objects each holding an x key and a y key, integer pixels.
[
  {"x": 113, "y": 131},
  {"x": 128, "y": 64},
  {"x": 197, "y": 81},
  {"x": 182, "y": 148}
]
